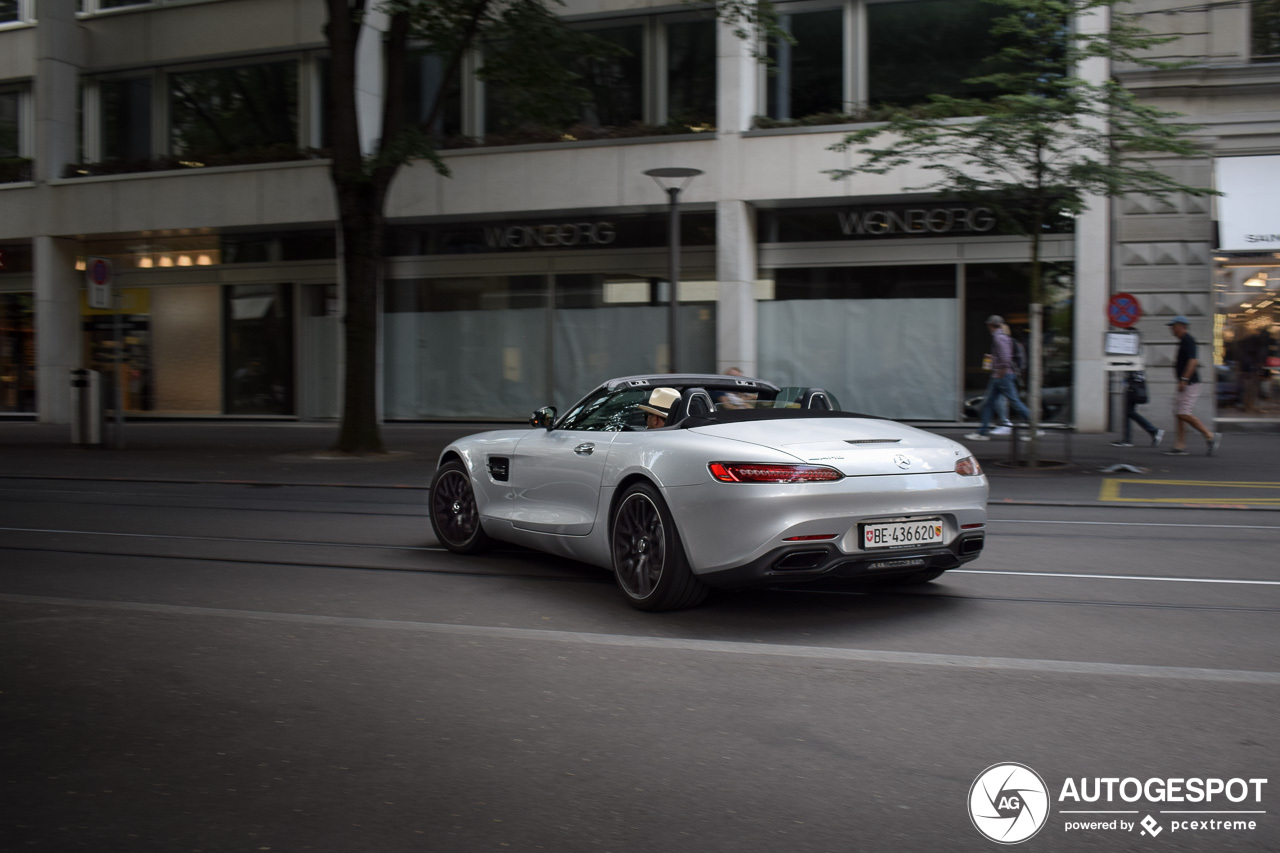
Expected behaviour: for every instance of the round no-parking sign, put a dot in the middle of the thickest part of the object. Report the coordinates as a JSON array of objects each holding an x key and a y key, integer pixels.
[{"x": 1124, "y": 310}]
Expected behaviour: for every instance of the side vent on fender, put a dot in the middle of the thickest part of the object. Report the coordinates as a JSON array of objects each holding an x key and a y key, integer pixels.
[{"x": 499, "y": 468}]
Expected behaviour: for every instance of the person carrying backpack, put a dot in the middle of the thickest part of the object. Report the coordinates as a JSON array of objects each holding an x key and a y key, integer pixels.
[{"x": 1003, "y": 381}]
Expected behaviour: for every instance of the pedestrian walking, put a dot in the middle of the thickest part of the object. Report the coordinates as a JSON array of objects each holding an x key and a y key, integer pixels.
[
  {"x": 1186, "y": 368},
  {"x": 1003, "y": 381},
  {"x": 1135, "y": 394}
]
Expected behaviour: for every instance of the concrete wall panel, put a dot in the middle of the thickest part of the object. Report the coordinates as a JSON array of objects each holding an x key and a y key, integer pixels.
[
  {"x": 189, "y": 32},
  {"x": 18, "y": 212},
  {"x": 17, "y": 53},
  {"x": 294, "y": 195}
]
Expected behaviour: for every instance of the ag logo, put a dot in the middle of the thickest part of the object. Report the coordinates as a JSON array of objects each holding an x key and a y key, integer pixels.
[{"x": 1008, "y": 803}]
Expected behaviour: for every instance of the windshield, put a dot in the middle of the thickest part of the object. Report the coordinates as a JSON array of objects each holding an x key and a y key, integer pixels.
[{"x": 616, "y": 410}]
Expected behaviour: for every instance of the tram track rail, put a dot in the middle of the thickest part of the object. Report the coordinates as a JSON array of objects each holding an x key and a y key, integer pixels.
[{"x": 590, "y": 576}]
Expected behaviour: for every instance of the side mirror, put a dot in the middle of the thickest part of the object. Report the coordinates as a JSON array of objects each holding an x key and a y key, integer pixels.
[{"x": 544, "y": 417}]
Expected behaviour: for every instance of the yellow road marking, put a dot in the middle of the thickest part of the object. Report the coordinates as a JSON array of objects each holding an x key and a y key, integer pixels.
[{"x": 1111, "y": 488}]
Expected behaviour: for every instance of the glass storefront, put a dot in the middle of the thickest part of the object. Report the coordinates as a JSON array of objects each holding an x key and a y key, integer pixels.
[
  {"x": 17, "y": 353},
  {"x": 1247, "y": 336},
  {"x": 498, "y": 347},
  {"x": 882, "y": 339},
  {"x": 197, "y": 350},
  {"x": 907, "y": 342},
  {"x": 465, "y": 347},
  {"x": 1005, "y": 289},
  {"x": 258, "y": 366}
]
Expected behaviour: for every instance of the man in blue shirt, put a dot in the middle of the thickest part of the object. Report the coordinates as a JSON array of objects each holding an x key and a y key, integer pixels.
[
  {"x": 1186, "y": 368},
  {"x": 1003, "y": 381}
]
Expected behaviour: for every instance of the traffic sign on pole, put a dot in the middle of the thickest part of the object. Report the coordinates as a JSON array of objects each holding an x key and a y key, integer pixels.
[
  {"x": 1124, "y": 310},
  {"x": 98, "y": 276}
]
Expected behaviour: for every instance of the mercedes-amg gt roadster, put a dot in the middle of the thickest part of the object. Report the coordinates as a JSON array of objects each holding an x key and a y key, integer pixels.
[{"x": 680, "y": 483}]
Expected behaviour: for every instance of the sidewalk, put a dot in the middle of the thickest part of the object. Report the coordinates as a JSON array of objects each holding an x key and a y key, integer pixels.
[{"x": 1245, "y": 472}]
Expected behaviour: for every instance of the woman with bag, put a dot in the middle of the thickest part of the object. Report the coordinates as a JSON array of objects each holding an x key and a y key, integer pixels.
[{"x": 1135, "y": 394}]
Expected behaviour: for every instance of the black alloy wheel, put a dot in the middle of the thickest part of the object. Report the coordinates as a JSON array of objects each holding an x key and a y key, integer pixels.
[
  {"x": 455, "y": 518},
  {"x": 649, "y": 562}
]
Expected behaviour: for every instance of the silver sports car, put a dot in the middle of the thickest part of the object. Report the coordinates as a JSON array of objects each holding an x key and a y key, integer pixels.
[{"x": 679, "y": 483}]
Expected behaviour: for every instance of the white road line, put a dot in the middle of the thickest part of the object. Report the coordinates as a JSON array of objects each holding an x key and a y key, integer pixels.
[
  {"x": 439, "y": 549},
  {"x": 1111, "y": 577},
  {"x": 1135, "y": 524},
  {"x": 239, "y": 540},
  {"x": 974, "y": 662}
]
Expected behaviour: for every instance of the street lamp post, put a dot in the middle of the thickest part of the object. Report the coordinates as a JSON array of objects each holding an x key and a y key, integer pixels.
[{"x": 666, "y": 179}]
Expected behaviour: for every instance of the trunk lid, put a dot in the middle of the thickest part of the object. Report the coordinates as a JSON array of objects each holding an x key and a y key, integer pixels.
[{"x": 856, "y": 447}]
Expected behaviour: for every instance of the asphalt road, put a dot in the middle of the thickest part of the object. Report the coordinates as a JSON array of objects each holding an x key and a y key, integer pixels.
[{"x": 222, "y": 667}]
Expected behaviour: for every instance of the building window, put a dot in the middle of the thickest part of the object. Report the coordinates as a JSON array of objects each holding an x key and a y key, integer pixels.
[
  {"x": 10, "y": 11},
  {"x": 1265, "y": 29},
  {"x": 234, "y": 109},
  {"x": 126, "y": 118},
  {"x": 906, "y": 62},
  {"x": 664, "y": 73},
  {"x": 809, "y": 75},
  {"x": 15, "y": 166},
  {"x": 424, "y": 75},
  {"x": 10, "y": 124},
  {"x": 691, "y": 74},
  {"x": 616, "y": 83},
  {"x": 909, "y": 49}
]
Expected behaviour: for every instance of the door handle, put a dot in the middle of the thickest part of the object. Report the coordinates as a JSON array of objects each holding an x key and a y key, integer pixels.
[{"x": 585, "y": 449}]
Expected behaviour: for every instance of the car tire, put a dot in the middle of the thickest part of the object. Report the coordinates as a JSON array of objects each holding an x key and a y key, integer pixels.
[
  {"x": 455, "y": 518},
  {"x": 649, "y": 563}
]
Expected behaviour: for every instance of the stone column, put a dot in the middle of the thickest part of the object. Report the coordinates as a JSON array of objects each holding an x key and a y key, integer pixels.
[
  {"x": 57, "y": 308},
  {"x": 736, "y": 274},
  {"x": 1093, "y": 278},
  {"x": 59, "y": 55},
  {"x": 738, "y": 76}
]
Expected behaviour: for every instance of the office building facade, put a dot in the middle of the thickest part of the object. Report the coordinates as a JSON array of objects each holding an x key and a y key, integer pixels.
[{"x": 184, "y": 141}]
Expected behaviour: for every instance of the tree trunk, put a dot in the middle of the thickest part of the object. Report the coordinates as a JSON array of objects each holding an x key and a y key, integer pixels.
[{"x": 363, "y": 224}]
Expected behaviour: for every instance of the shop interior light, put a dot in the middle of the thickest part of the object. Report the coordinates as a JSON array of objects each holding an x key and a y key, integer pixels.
[
  {"x": 204, "y": 260},
  {"x": 80, "y": 265},
  {"x": 1259, "y": 280},
  {"x": 166, "y": 261},
  {"x": 145, "y": 262},
  {"x": 184, "y": 260}
]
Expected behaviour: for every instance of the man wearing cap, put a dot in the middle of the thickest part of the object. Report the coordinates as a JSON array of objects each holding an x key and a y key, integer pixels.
[
  {"x": 658, "y": 409},
  {"x": 1187, "y": 370},
  {"x": 1004, "y": 374}
]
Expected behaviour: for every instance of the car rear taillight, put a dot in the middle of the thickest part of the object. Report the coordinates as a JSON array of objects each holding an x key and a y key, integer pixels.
[
  {"x": 968, "y": 467},
  {"x": 755, "y": 472}
]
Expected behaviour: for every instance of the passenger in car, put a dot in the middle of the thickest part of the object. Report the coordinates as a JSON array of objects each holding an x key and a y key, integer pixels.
[{"x": 658, "y": 409}]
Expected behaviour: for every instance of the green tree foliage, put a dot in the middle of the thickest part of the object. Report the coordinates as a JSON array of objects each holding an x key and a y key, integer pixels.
[
  {"x": 1048, "y": 139},
  {"x": 544, "y": 70}
]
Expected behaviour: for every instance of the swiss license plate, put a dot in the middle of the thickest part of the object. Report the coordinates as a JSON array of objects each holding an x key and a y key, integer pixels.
[{"x": 899, "y": 534}]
